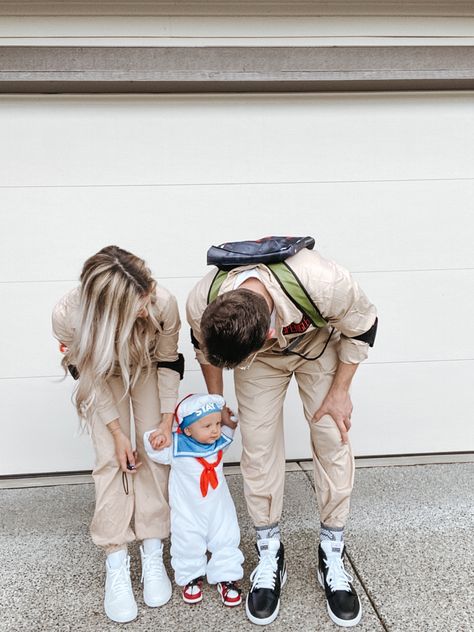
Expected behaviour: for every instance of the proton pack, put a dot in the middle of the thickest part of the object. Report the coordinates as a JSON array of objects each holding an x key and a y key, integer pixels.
[{"x": 272, "y": 252}]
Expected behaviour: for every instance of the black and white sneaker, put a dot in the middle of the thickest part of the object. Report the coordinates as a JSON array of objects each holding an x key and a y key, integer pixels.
[
  {"x": 343, "y": 604},
  {"x": 267, "y": 580}
]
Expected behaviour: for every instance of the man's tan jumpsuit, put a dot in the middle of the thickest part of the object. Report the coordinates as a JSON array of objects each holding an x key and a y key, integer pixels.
[
  {"x": 261, "y": 387},
  {"x": 152, "y": 395}
]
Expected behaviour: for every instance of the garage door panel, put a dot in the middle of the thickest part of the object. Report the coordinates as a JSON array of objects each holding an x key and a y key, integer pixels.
[
  {"x": 413, "y": 408},
  {"x": 26, "y": 339},
  {"x": 423, "y": 316},
  {"x": 398, "y": 409},
  {"x": 27, "y": 345},
  {"x": 165, "y": 139},
  {"x": 399, "y": 225},
  {"x": 41, "y": 432}
]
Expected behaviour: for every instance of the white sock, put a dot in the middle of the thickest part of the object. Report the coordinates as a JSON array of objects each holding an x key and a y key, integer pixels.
[
  {"x": 151, "y": 544},
  {"x": 116, "y": 558},
  {"x": 333, "y": 534},
  {"x": 268, "y": 533}
]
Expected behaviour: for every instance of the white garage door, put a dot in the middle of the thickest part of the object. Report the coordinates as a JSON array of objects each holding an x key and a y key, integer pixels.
[{"x": 383, "y": 181}]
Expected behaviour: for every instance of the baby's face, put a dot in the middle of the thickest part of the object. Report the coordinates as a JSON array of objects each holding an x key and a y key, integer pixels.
[{"x": 207, "y": 429}]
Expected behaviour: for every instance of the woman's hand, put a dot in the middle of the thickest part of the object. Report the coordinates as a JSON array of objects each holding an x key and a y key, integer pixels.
[
  {"x": 160, "y": 438},
  {"x": 126, "y": 456}
]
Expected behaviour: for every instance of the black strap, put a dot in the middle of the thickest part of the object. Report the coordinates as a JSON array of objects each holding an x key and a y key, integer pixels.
[
  {"x": 73, "y": 371},
  {"x": 125, "y": 482},
  {"x": 289, "y": 349},
  {"x": 369, "y": 335},
  {"x": 176, "y": 365},
  {"x": 194, "y": 340}
]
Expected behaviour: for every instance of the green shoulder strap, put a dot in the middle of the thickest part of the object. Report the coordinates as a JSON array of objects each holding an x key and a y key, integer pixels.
[
  {"x": 217, "y": 281},
  {"x": 289, "y": 283}
]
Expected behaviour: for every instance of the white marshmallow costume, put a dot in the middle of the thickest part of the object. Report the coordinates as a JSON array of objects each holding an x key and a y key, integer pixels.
[{"x": 203, "y": 516}]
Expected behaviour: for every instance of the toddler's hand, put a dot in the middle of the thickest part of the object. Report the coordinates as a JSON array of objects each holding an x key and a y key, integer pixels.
[
  {"x": 229, "y": 418},
  {"x": 160, "y": 438}
]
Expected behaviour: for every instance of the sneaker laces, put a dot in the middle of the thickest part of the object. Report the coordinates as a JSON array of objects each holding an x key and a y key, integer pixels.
[
  {"x": 194, "y": 586},
  {"x": 230, "y": 589},
  {"x": 120, "y": 584},
  {"x": 264, "y": 576},
  {"x": 337, "y": 577},
  {"x": 152, "y": 565}
]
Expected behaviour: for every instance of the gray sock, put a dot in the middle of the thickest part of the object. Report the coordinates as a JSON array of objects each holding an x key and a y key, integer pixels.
[
  {"x": 267, "y": 533},
  {"x": 334, "y": 534}
]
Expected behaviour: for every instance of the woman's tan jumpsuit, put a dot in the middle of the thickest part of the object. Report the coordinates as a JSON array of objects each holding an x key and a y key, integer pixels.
[{"x": 146, "y": 501}]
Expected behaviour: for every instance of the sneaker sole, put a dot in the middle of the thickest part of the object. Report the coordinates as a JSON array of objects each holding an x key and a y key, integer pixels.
[
  {"x": 233, "y": 604},
  {"x": 128, "y": 619},
  {"x": 274, "y": 614},
  {"x": 343, "y": 623},
  {"x": 160, "y": 602},
  {"x": 191, "y": 601}
]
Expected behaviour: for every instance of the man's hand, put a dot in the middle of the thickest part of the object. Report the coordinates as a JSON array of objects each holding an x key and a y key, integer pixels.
[
  {"x": 337, "y": 402},
  {"x": 160, "y": 438},
  {"x": 338, "y": 405}
]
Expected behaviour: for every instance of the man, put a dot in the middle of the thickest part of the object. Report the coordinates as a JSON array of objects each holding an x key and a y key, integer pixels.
[{"x": 255, "y": 326}]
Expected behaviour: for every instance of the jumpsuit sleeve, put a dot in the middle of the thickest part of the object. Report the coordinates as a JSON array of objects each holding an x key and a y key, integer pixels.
[
  {"x": 166, "y": 349},
  {"x": 346, "y": 307},
  {"x": 163, "y": 456},
  {"x": 195, "y": 306},
  {"x": 63, "y": 317}
]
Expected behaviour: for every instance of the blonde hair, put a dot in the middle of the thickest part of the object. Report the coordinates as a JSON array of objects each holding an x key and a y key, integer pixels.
[{"x": 110, "y": 336}]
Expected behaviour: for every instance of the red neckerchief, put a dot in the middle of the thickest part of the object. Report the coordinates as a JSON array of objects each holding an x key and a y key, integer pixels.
[{"x": 208, "y": 474}]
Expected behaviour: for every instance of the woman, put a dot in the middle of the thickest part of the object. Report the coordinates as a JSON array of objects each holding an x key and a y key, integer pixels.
[{"x": 119, "y": 334}]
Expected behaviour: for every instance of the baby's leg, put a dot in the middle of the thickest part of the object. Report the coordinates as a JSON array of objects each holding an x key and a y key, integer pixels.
[
  {"x": 224, "y": 538},
  {"x": 188, "y": 547}
]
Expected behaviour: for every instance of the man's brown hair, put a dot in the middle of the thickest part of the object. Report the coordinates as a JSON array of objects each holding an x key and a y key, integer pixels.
[{"x": 233, "y": 326}]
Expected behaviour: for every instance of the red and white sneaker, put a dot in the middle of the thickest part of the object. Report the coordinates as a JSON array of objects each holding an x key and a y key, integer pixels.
[
  {"x": 230, "y": 593},
  {"x": 192, "y": 592}
]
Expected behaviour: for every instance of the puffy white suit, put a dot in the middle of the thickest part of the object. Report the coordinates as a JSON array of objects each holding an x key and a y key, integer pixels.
[{"x": 200, "y": 523}]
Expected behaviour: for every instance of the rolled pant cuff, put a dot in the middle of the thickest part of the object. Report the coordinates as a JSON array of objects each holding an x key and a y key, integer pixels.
[
  {"x": 113, "y": 548},
  {"x": 267, "y": 526},
  {"x": 327, "y": 526}
]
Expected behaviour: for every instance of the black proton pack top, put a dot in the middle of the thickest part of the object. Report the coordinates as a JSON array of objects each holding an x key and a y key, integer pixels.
[{"x": 272, "y": 252}]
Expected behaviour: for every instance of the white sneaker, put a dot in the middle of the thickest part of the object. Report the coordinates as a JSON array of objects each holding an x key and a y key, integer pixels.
[
  {"x": 119, "y": 602},
  {"x": 157, "y": 587}
]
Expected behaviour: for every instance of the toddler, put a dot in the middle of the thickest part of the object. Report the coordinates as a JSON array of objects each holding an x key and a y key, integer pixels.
[{"x": 203, "y": 516}]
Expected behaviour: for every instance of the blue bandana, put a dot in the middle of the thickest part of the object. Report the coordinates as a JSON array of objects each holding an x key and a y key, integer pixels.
[{"x": 187, "y": 446}]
